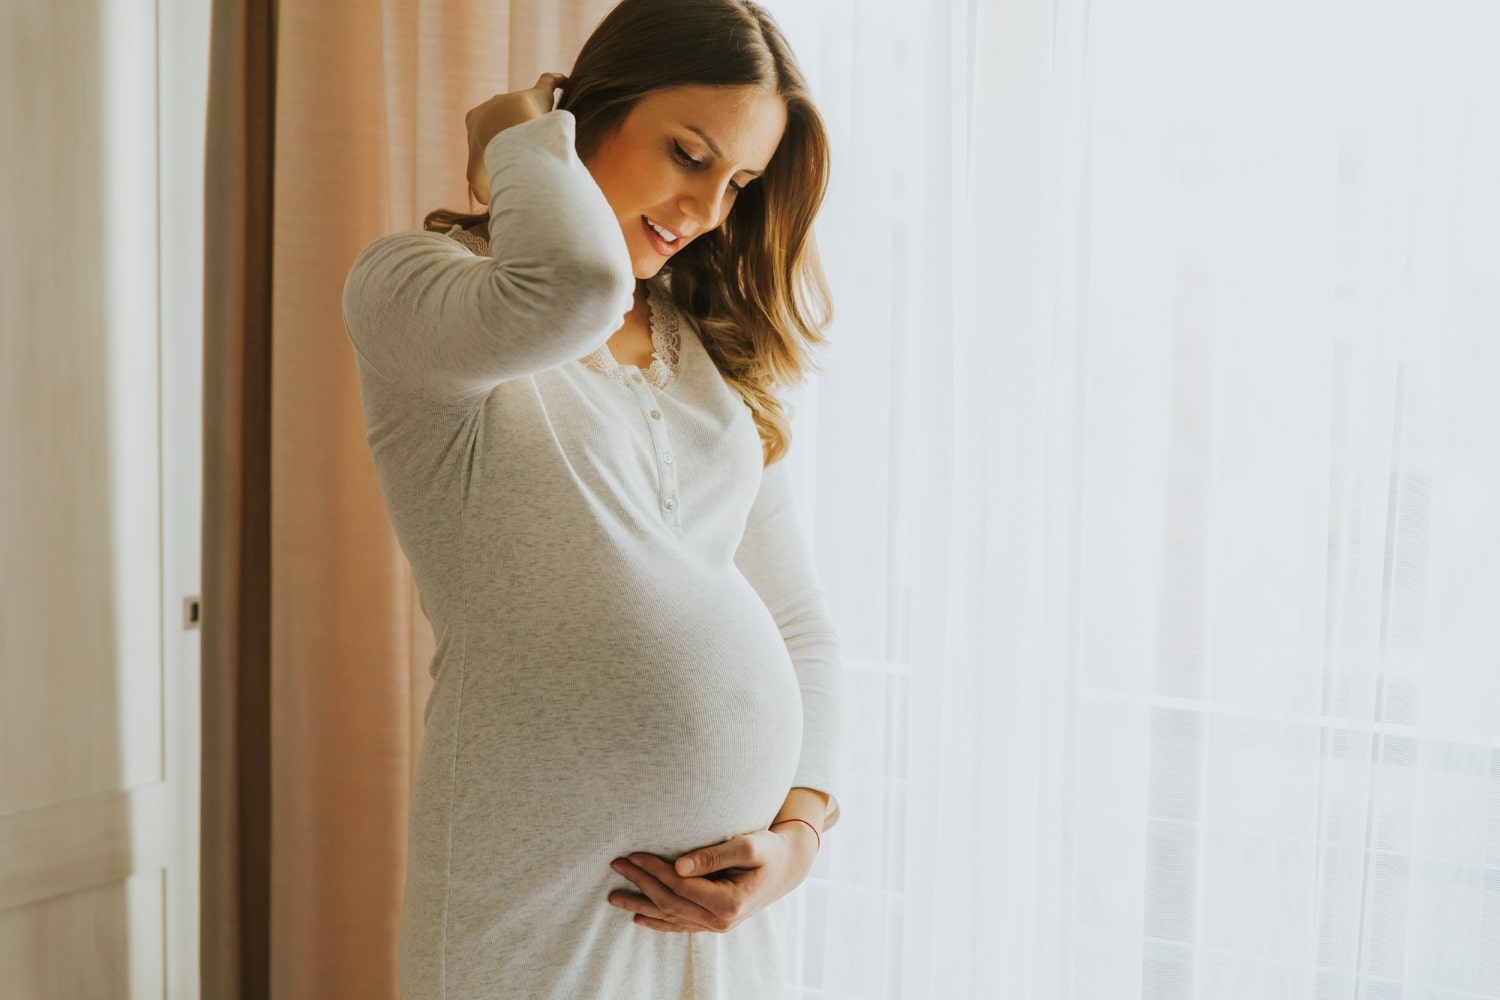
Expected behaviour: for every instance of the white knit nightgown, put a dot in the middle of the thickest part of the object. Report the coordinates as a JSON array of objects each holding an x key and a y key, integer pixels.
[{"x": 634, "y": 653}]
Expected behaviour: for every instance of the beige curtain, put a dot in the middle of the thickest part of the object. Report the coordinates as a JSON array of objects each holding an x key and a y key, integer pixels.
[{"x": 331, "y": 122}]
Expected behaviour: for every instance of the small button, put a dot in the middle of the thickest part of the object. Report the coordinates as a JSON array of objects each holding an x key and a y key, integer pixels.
[
  {"x": 636, "y": 376},
  {"x": 667, "y": 457},
  {"x": 655, "y": 414},
  {"x": 669, "y": 503}
]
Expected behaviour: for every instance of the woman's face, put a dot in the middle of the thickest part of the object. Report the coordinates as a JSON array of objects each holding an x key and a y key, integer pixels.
[{"x": 644, "y": 171}]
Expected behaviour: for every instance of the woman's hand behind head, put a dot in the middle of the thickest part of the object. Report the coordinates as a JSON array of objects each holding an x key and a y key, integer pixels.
[{"x": 485, "y": 121}]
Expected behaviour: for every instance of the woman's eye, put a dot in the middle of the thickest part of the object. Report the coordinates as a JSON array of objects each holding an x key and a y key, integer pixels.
[{"x": 694, "y": 164}]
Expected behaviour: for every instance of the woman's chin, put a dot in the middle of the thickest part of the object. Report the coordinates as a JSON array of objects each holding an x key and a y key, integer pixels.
[{"x": 645, "y": 269}]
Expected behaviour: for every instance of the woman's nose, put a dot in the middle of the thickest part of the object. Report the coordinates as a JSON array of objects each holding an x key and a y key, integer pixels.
[
  {"x": 693, "y": 209},
  {"x": 706, "y": 210}
]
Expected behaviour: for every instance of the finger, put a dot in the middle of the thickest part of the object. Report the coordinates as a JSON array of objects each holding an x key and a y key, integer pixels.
[
  {"x": 736, "y": 852},
  {"x": 649, "y": 873},
  {"x": 714, "y": 893},
  {"x": 638, "y": 904}
]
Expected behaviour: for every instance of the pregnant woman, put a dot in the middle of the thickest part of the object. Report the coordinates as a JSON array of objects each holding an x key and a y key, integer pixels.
[{"x": 572, "y": 405}]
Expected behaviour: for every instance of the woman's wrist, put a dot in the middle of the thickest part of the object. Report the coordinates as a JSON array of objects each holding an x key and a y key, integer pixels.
[
  {"x": 508, "y": 114},
  {"x": 800, "y": 823}
]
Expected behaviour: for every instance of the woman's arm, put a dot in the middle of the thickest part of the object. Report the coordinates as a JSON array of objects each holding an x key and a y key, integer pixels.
[
  {"x": 807, "y": 804},
  {"x": 425, "y": 312},
  {"x": 774, "y": 557}
]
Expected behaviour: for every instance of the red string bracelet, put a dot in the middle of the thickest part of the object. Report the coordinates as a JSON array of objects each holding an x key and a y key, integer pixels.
[{"x": 814, "y": 829}]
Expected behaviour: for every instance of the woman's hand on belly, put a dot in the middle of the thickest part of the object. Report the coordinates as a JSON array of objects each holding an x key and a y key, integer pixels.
[{"x": 741, "y": 876}]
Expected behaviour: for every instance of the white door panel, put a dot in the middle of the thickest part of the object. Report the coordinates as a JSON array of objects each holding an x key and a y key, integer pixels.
[{"x": 100, "y": 322}]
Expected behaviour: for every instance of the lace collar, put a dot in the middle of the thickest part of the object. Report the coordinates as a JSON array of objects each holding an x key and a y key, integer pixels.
[{"x": 665, "y": 323}]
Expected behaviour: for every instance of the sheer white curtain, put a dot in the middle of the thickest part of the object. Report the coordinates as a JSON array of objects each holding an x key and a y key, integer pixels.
[{"x": 1155, "y": 481}]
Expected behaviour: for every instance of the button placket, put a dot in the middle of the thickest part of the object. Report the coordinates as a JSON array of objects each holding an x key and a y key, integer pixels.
[{"x": 671, "y": 501}]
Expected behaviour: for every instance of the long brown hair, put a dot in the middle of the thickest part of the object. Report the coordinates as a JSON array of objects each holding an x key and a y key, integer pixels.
[{"x": 754, "y": 287}]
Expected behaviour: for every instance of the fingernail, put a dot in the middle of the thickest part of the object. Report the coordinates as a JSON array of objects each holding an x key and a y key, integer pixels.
[{"x": 687, "y": 865}]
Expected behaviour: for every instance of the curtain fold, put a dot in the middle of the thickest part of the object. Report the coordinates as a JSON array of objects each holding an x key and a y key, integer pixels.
[{"x": 235, "y": 860}]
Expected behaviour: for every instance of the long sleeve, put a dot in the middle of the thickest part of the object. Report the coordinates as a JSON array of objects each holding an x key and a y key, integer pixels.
[
  {"x": 423, "y": 311},
  {"x": 774, "y": 556}
]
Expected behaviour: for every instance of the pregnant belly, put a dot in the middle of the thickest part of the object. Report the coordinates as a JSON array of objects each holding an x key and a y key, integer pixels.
[{"x": 660, "y": 710}]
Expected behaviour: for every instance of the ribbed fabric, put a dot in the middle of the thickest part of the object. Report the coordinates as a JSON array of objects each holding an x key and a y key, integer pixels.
[{"x": 634, "y": 653}]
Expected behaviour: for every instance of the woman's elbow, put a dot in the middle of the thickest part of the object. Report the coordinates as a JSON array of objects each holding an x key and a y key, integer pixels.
[{"x": 585, "y": 299}]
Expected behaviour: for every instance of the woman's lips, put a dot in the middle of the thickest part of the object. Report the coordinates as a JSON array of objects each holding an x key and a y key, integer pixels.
[{"x": 660, "y": 245}]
